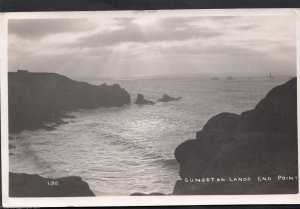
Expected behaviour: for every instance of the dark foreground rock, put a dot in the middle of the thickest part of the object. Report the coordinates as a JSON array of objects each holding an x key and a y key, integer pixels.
[
  {"x": 39, "y": 98},
  {"x": 167, "y": 98},
  {"x": 25, "y": 185},
  {"x": 140, "y": 100},
  {"x": 241, "y": 149}
]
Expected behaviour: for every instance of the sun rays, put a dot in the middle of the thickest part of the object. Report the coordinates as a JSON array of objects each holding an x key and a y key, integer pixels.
[
  {"x": 147, "y": 44},
  {"x": 143, "y": 58}
]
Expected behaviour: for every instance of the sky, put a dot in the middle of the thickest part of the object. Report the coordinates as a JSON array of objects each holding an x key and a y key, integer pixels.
[{"x": 146, "y": 45}]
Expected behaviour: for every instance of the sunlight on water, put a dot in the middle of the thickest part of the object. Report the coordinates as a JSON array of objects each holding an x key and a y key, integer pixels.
[{"x": 119, "y": 151}]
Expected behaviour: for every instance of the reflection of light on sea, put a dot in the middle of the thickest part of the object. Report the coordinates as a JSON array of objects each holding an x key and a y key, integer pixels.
[{"x": 119, "y": 151}]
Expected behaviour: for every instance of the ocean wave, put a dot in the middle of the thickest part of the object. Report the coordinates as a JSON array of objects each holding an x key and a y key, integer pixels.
[
  {"x": 169, "y": 163},
  {"x": 147, "y": 152}
]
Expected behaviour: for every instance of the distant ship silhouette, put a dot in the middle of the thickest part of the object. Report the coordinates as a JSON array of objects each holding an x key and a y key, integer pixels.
[
  {"x": 270, "y": 76},
  {"x": 229, "y": 78}
]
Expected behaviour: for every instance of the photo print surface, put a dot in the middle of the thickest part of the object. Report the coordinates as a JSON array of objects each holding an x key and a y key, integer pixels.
[{"x": 152, "y": 105}]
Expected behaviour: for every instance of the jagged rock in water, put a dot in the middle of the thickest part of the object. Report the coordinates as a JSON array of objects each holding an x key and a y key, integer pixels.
[
  {"x": 167, "y": 98},
  {"x": 259, "y": 142},
  {"x": 140, "y": 100},
  {"x": 39, "y": 98},
  {"x": 26, "y": 185}
]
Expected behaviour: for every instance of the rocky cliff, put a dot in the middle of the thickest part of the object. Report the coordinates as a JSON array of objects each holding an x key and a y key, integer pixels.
[
  {"x": 254, "y": 153},
  {"x": 25, "y": 185},
  {"x": 37, "y": 98}
]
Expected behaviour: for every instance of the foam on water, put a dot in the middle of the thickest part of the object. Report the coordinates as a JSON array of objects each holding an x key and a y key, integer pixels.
[{"x": 119, "y": 151}]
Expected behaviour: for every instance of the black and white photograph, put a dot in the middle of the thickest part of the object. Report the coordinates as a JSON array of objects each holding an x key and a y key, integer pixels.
[{"x": 147, "y": 104}]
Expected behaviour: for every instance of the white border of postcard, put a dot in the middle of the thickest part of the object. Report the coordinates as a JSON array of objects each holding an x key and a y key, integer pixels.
[{"x": 130, "y": 200}]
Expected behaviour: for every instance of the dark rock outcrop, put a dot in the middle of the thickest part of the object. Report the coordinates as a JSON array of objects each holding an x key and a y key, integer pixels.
[
  {"x": 38, "y": 98},
  {"x": 222, "y": 124},
  {"x": 277, "y": 112},
  {"x": 259, "y": 142},
  {"x": 25, "y": 185},
  {"x": 140, "y": 100},
  {"x": 167, "y": 98}
]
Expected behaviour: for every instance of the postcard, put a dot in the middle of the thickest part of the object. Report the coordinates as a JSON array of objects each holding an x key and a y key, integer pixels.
[{"x": 162, "y": 107}]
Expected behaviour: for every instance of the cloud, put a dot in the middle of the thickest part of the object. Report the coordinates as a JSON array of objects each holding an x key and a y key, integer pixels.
[
  {"x": 157, "y": 45},
  {"x": 39, "y": 28},
  {"x": 165, "y": 30},
  {"x": 246, "y": 27}
]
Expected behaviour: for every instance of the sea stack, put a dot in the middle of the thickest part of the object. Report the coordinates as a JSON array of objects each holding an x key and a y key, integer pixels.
[
  {"x": 232, "y": 152},
  {"x": 140, "y": 100},
  {"x": 167, "y": 98}
]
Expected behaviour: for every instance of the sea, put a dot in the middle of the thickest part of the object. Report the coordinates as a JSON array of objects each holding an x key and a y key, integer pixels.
[{"x": 120, "y": 151}]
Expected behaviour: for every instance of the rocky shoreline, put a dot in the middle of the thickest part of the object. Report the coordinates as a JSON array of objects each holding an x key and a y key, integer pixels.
[
  {"x": 39, "y": 98},
  {"x": 258, "y": 143},
  {"x": 26, "y": 185}
]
